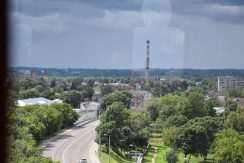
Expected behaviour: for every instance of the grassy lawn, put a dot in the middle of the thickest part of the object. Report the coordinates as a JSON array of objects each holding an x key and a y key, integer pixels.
[
  {"x": 162, "y": 149},
  {"x": 114, "y": 157}
]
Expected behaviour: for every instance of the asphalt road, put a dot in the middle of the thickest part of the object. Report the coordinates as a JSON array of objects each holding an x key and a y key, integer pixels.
[{"x": 72, "y": 144}]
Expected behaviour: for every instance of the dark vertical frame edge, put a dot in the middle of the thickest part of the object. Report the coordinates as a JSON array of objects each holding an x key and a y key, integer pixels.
[{"x": 3, "y": 68}]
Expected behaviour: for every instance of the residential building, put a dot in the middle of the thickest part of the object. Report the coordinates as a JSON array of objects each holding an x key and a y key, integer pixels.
[
  {"x": 139, "y": 98},
  {"x": 228, "y": 82}
]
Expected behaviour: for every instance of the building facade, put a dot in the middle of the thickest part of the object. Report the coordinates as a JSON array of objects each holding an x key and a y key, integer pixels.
[{"x": 228, "y": 82}]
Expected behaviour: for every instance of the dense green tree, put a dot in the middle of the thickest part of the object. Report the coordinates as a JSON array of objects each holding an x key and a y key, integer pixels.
[
  {"x": 175, "y": 120},
  {"x": 119, "y": 96},
  {"x": 76, "y": 83},
  {"x": 58, "y": 88},
  {"x": 28, "y": 126},
  {"x": 166, "y": 106},
  {"x": 197, "y": 135},
  {"x": 230, "y": 105},
  {"x": 170, "y": 135},
  {"x": 27, "y": 83},
  {"x": 53, "y": 82},
  {"x": 153, "y": 110},
  {"x": 106, "y": 90},
  {"x": 210, "y": 104},
  {"x": 235, "y": 120},
  {"x": 73, "y": 98},
  {"x": 42, "y": 81},
  {"x": 87, "y": 93},
  {"x": 114, "y": 124},
  {"x": 90, "y": 83},
  {"x": 195, "y": 106},
  {"x": 30, "y": 93},
  {"x": 229, "y": 147},
  {"x": 235, "y": 92},
  {"x": 171, "y": 156},
  {"x": 40, "y": 88},
  {"x": 48, "y": 94},
  {"x": 140, "y": 119},
  {"x": 12, "y": 98},
  {"x": 69, "y": 116}
]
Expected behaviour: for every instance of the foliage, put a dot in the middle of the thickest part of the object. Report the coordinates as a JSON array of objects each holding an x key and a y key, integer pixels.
[
  {"x": 171, "y": 157},
  {"x": 87, "y": 93},
  {"x": 175, "y": 120},
  {"x": 114, "y": 124},
  {"x": 27, "y": 83},
  {"x": 48, "y": 94},
  {"x": 210, "y": 104},
  {"x": 73, "y": 98},
  {"x": 163, "y": 107},
  {"x": 105, "y": 90},
  {"x": 139, "y": 124},
  {"x": 69, "y": 116},
  {"x": 53, "y": 82},
  {"x": 195, "y": 106},
  {"x": 235, "y": 120},
  {"x": 90, "y": 82},
  {"x": 230, "y": 105},
  {"x": 139, "y": 119},
  {"x": 30, "y": 93},
  {"x": 229, "y": 147},
  {"x": 235, "y": 92},
  {"x": 197, "y": 135},
  {"x": 169, "y": 135},
  {"x": 30, "y": 124},
  {"x": 119, "y": 96},
  {"x": 76, "y": 83}
]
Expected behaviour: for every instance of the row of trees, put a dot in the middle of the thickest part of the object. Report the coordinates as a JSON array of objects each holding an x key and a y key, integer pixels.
[
  {"x": 123, "y": 125},
  {"x": 190, "y": 125},
  {"x": 29, "y": 125},
  {"x": 71, "y": 91}
]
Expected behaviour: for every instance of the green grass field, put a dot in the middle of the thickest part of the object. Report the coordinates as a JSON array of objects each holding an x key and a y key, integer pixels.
[
  {"x": 162, "y": 149},
  {"x": 155, "y": 144},
  {"x": 114, "y": 157}
]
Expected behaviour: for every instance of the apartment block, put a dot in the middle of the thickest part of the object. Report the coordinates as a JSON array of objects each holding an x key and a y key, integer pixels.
[{"x": 227, "y": 82}]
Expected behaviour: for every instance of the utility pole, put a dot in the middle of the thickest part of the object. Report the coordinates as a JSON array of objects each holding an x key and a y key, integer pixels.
[
  {"x": 109, "y": 149},
  {"x": 99, "y": 145}
]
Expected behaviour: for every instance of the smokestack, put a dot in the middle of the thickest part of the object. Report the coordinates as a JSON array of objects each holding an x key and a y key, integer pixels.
[{"x": 147, "y": 76}]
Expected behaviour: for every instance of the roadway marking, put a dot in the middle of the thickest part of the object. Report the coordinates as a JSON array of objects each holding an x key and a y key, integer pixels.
[
  {"x": 74, "y": 141},
  {"x": 62, "y": 149}
]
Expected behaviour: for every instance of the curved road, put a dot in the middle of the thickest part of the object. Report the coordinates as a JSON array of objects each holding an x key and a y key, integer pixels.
[{"x": 72, "y": 144}]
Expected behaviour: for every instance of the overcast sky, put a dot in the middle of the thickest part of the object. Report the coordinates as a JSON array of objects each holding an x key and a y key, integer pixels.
[{"x": 202, "y": 34}]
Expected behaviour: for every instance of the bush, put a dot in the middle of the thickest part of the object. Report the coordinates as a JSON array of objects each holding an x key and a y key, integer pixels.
[{"x": 171, "y": 157}]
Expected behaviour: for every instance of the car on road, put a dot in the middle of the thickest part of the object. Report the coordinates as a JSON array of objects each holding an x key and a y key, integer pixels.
[
  {"x": 133, "y": 153},
  {"x": 83, "y": 160}
]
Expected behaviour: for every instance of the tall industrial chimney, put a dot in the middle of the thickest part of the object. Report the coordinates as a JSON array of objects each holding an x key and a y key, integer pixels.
[{"x": 147, "y": 75}]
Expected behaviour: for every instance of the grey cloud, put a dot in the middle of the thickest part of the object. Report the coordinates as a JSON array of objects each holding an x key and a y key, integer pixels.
[
  {"x": 48, "y": 7},
  {"x": 209, "y": 44},
  {"x": 218, "y": 10}
]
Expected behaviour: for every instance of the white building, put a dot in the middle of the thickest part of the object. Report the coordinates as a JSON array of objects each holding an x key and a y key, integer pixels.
[
  {"x": 37, "y": 101},
  {"x": 219, "y": 110},
  {"x": 227, "y": 82}
]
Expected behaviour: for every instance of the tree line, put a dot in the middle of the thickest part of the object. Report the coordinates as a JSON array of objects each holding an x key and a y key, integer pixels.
[{"x": 183, "y": 73}]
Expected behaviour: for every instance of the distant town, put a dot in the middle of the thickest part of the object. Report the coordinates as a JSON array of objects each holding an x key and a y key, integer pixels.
[{"x": 161, "y": 102}]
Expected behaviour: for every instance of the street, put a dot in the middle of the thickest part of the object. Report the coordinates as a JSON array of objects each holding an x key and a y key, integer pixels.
[{"x": 72, "y": 145}]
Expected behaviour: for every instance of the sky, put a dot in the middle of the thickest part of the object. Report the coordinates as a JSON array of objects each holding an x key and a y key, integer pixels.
[{"x": 112, "y": 34}]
